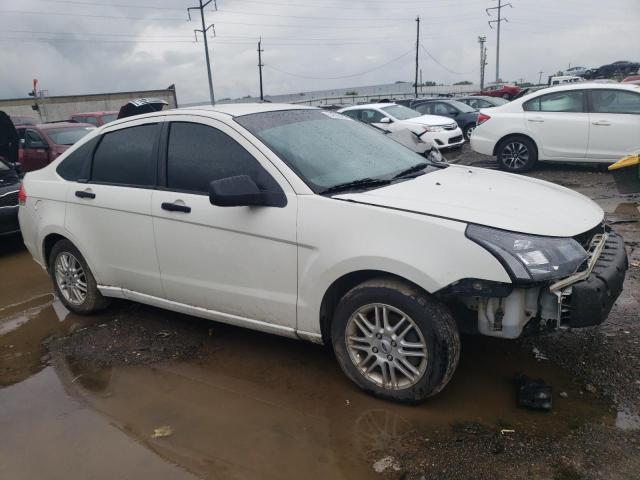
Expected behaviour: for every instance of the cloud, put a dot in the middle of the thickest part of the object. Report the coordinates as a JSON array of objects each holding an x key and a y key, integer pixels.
[{"x": 71, "y": 49}]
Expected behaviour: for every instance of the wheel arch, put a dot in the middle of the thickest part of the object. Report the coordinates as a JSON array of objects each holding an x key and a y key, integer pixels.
[
  {"x": 341, "y": 286},
  {"x": 513, "y": 135},
  {"x": 53, "y": 237}
]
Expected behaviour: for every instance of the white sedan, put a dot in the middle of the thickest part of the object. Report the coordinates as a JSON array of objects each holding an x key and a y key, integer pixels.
[
  {"x": 442, "y": 131},
  {"x": 308, "y": 224},
  {"x": 585, "y": 122}
]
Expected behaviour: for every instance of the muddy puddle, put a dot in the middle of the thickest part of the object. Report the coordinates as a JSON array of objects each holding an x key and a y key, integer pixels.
[
  {"x": 253, "y": 406},
  {"x": 247, "y": 406}
]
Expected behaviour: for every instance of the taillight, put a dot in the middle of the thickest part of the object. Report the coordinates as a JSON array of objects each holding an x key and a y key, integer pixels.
[
  {"x": 22, "y": 195},
  {"x": 482, "y": 118}
]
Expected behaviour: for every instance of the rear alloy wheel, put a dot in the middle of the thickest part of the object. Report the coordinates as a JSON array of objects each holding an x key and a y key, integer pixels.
[
  {"x": 516, "y": 154},
  {"x": 73, "y": 281},
  {"x": 394, "y": 341},
  {"x": 468, "y": 131}
]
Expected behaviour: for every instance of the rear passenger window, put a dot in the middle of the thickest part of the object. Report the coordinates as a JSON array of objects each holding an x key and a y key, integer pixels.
[
  {"x": 76, "y": 165},
  {"x": 126, "y": 157},
  {"x": 198, "y": 154},
  {"x": 565, "y": 101},
  {"x": 615, "y": 101}
]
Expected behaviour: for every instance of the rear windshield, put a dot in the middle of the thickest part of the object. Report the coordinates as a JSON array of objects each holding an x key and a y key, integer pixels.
[
  {"x": 463, "y": 107},
  {"x": 69, "y": 135}
]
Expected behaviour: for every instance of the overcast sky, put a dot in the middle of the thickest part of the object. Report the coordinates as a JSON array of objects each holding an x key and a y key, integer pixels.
[{"x": 95, "y": 46}]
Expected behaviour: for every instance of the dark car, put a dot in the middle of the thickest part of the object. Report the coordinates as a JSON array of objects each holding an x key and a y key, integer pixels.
[
  {"x": 464, "y": 115},
  {"x": 41, "y": 144},
  {"x": 9, "y": 188},
  {"x": 481, "y": 101},
  {"x": 619, "y": 69}
]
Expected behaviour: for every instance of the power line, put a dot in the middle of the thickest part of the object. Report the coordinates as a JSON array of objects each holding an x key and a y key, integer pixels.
[
  {"x": 119, "y": 5},
  {"x": 444, "y": 66},
  {"x": 204, "y": 29},
  {"x": 341, "y": 76},
  {"x": 498, "y": 22},
  {"x": 110, "y": 17}
]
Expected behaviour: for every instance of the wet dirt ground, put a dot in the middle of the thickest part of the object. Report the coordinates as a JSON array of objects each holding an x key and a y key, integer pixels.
[{"x": 137, "y": 392}]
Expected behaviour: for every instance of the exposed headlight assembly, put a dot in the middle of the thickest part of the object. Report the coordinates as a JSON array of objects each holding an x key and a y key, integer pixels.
[
  {"x": 433, "y": 129},
  {"x": 530, "y": 258}
]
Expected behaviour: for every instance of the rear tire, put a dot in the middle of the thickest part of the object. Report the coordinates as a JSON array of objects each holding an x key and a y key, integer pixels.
[
  {"x": 73, "y": 281},
  {"x": 468, "y": 130},
  {"x": 395, "y": 341},
  {"x": 516, "y": 154}
]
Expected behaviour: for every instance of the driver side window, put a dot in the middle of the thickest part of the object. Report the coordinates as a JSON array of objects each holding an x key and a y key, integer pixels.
[
  {"x": 371, "y": 116},
  {"x": 199, "y": 154}
]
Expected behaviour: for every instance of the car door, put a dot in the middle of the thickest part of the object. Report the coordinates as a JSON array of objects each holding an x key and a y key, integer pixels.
[
  {"x": 239, "y": 262},
  {"x": 109, "y": 207},
  {"x": 559, "y": 123},
  {"x": 615, "y": 123},
  {"x": 35, "y": 154}
]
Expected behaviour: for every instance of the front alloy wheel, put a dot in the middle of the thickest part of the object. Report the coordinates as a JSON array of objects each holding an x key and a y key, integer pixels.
[
  {"x": 516, "y": 154},
  {"x": 387, "y": 346},
  {"x": 394, "y": 340}
]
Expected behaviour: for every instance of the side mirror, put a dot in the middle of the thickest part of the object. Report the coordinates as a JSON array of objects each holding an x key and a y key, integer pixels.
[
  {"x": 385, "y": 120},
  {"x": 239, "y": 191},
  {"x": 36, "y": 144}
]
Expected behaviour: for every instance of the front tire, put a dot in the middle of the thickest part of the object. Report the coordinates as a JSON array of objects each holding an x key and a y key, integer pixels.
[
  {"x": 73, "y": 281},
  {"x": 516, "y": 154},
  {"x": 394, "y": 341}
]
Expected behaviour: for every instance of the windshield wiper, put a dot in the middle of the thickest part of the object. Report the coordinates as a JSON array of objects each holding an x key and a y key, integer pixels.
[
  {"x": 356, "y": 184},
  {"x": 415, "y": 168}
]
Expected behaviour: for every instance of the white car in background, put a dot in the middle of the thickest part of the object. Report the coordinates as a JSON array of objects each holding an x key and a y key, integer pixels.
[
  {"x": 442, "y": 131},
  {"x": 574, "y": 123}
]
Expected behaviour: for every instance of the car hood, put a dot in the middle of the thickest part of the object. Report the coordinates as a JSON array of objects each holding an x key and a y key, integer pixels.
[
  {"x": 486, "y": 197},
  {"x": 430, "y": 120}
]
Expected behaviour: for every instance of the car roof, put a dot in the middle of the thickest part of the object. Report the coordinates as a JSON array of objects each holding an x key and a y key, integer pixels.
[
  {"x": 239, "y": 109},
  {"x": 590, "y": 85},
  {"x": 55, "y": 125},
  {"x": 105, "y": 112},
  {"x": 370, "y": 105}
]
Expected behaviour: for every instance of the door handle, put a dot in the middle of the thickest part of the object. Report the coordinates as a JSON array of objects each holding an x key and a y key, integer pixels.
[
  {"x": 537, "y": 120},
  {"x": 602, "y": 123},
  {"x": 174, "y": 207},
  {"x": 85, "y": 194}
]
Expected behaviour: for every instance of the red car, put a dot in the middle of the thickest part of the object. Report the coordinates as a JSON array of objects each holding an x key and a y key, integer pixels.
[
  {"x": 41, "y": 144},
  {"x": 95, "y": 118},
  {"x": 500, "y": 90}
]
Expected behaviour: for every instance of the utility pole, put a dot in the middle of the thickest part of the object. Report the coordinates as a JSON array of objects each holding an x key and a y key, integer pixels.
[
  {"x": 498, "y": 21},
  {"x": 206, "y": 44},
  {"x": 540, "y": 77},
  {"x": 260, "y": 65},
  {"x": 415, "y": 88},
  {"x": 483, "y": 60}
]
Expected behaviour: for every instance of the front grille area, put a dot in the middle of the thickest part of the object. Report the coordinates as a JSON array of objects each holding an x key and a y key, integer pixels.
[
  {"x": 9, "y": 199},
  {"x": 455, "y": 139},
  {"x": 585, "y": 238}
]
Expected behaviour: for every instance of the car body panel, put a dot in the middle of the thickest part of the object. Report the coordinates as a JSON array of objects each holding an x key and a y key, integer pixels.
[{"x": 495, "y": 199}]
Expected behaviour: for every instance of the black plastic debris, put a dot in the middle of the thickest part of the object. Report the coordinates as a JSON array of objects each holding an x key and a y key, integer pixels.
[{"x": 534, "y": 393}]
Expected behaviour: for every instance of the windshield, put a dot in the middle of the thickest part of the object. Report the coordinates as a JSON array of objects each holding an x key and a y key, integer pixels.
[
  {"x": 400, "y": 112},
  {"x": 109, "y": 117},
  {"x": 68, "y": 136},
  {"x": 327, "y": 149},
  {"x": 463, "y": 107}
]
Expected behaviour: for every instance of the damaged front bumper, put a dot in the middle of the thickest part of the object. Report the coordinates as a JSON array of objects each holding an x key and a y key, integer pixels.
[{"x": 580, "y": 300}]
